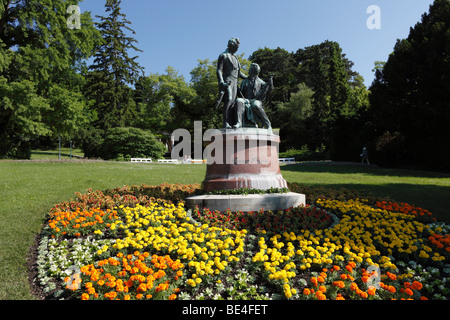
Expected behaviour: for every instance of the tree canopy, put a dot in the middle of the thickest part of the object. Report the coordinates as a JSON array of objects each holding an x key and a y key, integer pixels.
[
  {"x": 410, "y": 96},
  {"x": 113, "y": 71},
  {"x": 39, "y": 80},
  {"x": 319, "y": 101}
]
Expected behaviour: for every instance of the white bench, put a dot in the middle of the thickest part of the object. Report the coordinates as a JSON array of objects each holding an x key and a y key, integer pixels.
[
  {"x": 168, "y": 161},
  {"x": 287, "y": 160},
  {"x": 141, "y": 160}
]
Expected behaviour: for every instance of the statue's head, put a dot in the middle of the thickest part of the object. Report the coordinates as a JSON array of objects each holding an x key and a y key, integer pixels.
[
  {"x": 254, "y": 69},
  {"x": 233, "y": 45}
]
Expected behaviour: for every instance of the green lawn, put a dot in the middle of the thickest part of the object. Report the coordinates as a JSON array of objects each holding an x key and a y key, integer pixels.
[
  {"x": 29, "y": 189},
  {"x": 66, "y": 154},
  {"x": 430, "y": 190}
]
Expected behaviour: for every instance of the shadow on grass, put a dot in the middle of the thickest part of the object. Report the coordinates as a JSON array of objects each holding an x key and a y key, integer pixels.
[
  {"x": 356, "y": 168},
  {"x": 54, "y": 154}
]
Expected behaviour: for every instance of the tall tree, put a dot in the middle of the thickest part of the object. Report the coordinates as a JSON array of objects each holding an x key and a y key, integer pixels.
[
  {"x": 410, "y": 98},
  {"x": 39, "y": 62},
  {"x": 160, "y": 99},
  {"x": 297, "y": 127},
  {"x": 280, "y": 64},
  {"x": 113, "y": 71},
  {"x": 205, "y": 84},
  {"x": 327, "y": 71}
]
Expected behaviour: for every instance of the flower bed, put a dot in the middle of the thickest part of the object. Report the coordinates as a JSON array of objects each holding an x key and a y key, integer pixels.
[{"x": 139, "y": 242}]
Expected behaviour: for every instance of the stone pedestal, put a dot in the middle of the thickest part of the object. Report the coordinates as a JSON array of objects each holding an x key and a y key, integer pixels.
[
  {"x": 243, "y": 158},
  {"x": 246, "y": 203}
]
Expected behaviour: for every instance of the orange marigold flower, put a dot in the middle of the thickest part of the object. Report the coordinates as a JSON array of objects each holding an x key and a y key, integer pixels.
[
  {"x": 320, "y": 295},
  {"x": 339, "y": 284},
  {"x": 84, "y": 296},
  {"x": 392, "y": 276},
  {"x": 111, "y": 295},
  {"x": 409, "y": 292},
  {"x": 306, "y": 292},
  {"x": 371, "y": 291},
  {"x": 353, "y": 286},
  {"x": 416, "y": 285},
  {"x": 142, "y": 287},
  {"x": 363, "y": 294}
]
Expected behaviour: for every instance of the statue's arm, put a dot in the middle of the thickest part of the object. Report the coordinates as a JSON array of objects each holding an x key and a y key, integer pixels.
[
  {"x": 220, "y": 70},
  {"x": 265, "y": 88},
  {"x": 242, "y": 76}
]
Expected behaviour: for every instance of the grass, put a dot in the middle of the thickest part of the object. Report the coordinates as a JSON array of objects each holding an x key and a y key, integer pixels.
[
  {"x": 430, "y": 190},
  {"x": 54, "y": 154},
  {"x": 29, "y": 189}
]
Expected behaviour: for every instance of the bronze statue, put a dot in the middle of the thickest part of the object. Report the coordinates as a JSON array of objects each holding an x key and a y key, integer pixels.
[
  {"x": 254, "y": 90},
  {"x": 247, "y": 110},
  {"x": 228, "y": 73}
]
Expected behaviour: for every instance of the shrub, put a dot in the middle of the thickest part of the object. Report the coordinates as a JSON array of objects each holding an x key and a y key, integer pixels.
[
  {"x": 123, "y": 143},
  {"x": 305, "y": 154},
  {"x": 390, "y": 149},
  {"x": 91, "y": 140}
]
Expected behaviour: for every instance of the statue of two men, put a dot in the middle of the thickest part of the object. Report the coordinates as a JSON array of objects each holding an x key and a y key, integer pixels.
[{"x": 246, "y": 110}]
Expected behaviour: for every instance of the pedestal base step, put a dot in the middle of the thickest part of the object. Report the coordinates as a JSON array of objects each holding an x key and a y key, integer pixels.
[{"x": 246, "y": 203}]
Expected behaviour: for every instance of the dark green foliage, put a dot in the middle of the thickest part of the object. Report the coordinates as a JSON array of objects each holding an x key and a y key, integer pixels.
[
  {"x": 319, "y": 102},
  {"x": 246, "y": 191},
  {"x": 164, "y": 102},
  {"x": 280, "y": 64},
  {"x": 411, "y": 93},
  {"x": 391, "y": 149},
  {"x": 113, "y": 71},
  {"x": 305, "y": 154},
  {"x": 91, "y": 140},
  {"x": 123, "y": 143},
  {"x": 318, "y": 98},
  {"x": 39, "y": 83}
]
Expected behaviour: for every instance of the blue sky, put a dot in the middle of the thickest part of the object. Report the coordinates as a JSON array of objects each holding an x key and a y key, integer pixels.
[{"x": 178, "y": 33}]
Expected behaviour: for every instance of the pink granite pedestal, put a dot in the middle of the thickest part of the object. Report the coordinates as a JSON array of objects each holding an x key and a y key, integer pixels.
[
  {"x": 248, "y": 159},
  {"x": 244, "y": 158}
]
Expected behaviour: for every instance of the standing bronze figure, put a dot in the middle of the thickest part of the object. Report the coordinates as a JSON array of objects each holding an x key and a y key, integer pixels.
[{"x": 228, "y": 73}]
